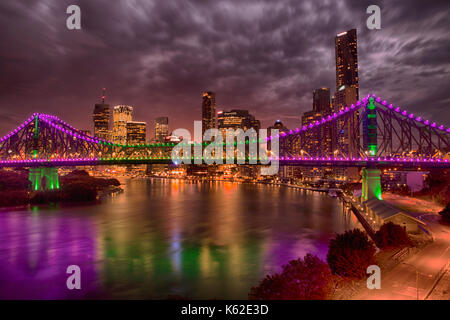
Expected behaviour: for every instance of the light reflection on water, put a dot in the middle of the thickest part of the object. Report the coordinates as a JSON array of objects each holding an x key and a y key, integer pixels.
[{"x": 165, "y": 237}]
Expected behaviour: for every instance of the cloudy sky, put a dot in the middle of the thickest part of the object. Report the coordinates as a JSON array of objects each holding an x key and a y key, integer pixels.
[{"x": 265, "y": 56}]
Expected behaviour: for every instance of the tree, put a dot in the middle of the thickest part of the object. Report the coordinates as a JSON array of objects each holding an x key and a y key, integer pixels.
[
  {"x": 270, "y": 288},
  {"x": 445, "y": 213},
  {"x": 14, "y": 198},
  {"x": 392, "y": 235},
  {"x": 83, "y": 177},
  {"x": 79, "y": 191},
  {"x": 438, "y": 185},
  {"x": 13, "y": 180},
  {"x": 350, "y": 253},
  {"x": 302, "y": 279}
]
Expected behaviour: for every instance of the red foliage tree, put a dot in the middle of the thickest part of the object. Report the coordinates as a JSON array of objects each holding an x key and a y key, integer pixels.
[
  {"x": 392, "y": 235},
  {"x": 350, "y": 253},
  {"x": 302, "y": 279}
]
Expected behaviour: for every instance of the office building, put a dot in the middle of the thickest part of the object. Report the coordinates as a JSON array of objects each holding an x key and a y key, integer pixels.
[
  {"x": 208, "y": 110},
  {"x": 136, "y": 132},
  {"x": 321, "y": 100},
  {"x": 347, "y": 130},
  {"x": 347, "y": 60},
  {"x": 311, "y": 146},
  {"x": 236, "y": 119},
  {"x": 161, "y": 129},
  {"x": 101, "y": 121},
  {"x": 121, "y": 116},
  {"x": 322, "y": 106}
]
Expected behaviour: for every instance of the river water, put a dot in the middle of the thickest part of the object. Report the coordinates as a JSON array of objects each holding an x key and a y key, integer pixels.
[{"x": 162, "y": 238}]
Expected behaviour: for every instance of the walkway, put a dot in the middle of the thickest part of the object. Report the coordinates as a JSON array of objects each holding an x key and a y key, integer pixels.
[{"x": 400, "y": 282}]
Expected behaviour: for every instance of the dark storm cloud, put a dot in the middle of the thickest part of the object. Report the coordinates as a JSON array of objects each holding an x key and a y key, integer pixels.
[{"x": 266, "y": 56}]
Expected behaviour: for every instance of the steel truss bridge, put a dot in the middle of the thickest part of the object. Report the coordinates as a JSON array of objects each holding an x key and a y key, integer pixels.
[{"x": 371, "y": 133}]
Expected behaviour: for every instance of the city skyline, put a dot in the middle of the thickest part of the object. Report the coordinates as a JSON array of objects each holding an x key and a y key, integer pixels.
[{"x": 272, "y": 75}]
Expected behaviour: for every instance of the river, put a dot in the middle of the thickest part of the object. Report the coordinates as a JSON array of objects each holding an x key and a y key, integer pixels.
[{"x": 162, "y": 238}]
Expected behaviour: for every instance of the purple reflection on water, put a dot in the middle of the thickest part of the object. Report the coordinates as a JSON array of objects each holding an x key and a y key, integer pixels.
[
  {"x": 284, "y": 248},
  {"x": 36, "y": 250},
  {"x": 165, "y": 237}
]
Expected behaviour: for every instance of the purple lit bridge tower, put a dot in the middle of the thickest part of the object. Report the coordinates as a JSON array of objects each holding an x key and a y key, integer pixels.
[{"x": 391, "y": 138}]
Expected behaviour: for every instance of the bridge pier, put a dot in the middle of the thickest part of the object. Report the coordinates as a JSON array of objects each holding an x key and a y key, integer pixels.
[
  {"x": 371, "y": 184},
  {"x": 45, "y": 178}
]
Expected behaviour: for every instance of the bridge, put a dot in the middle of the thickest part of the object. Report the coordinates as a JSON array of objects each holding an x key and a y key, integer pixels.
[{"x": 371, "y": 134}]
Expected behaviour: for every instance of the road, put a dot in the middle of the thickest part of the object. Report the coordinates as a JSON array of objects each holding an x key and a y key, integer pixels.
[{"x": 400, "y": 282}]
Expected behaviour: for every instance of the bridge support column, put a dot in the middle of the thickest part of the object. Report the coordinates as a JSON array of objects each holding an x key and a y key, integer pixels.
[
  {"x": 371, "y": 184},
  {"x": 44, "y": 178}
]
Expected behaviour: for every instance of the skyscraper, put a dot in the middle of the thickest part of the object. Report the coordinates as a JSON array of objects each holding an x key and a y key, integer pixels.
[
  {"x": 312, "y": 145},
  {"x": 236, "y": 119},
  {"x": 347, "y": 132},
  {"x": 321, "y": 100},
  {"x": 208, "y": 110},
  {"x": 121, "y": 115},
  {"x": 161, "y": 128},
  {"x": 322, "y": 106},
  {"x": 347, "y": 60},
  {"x": 101, "y": 119},
  {"x": 136, "y": 132}
]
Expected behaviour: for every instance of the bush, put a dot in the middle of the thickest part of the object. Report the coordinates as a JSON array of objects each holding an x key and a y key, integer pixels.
[
  {"x": 438, "y": 186},
  {"x": 445, "y": 213},
  {"x": 79, "y": 191},
  {"x": 302, "y": 279},
  {"x": 13, "y": 180},
  {"x": 74, "y": 192},
  {"x": 14, "y": 198},
  {"x": 392, "y": 235},
  {"x": 350, "y": 253},
  {"x": 83, "y": 177}
]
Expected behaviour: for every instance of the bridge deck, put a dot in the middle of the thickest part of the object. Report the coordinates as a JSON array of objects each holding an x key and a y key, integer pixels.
[{"x": 373, "y": 163}]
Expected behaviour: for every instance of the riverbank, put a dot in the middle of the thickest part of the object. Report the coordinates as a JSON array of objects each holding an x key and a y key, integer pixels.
[
  {"x": 77, "y": 186},
  {"x": 247, "y": 181}
]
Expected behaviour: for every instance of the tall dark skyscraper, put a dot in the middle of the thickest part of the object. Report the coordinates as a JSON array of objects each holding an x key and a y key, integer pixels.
[
  {"x": 208, "y": 110},
  {"x": 347, "y": 60},
  {"x": 321, "y": 100},
  {"x": 101, "y": 119}
]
